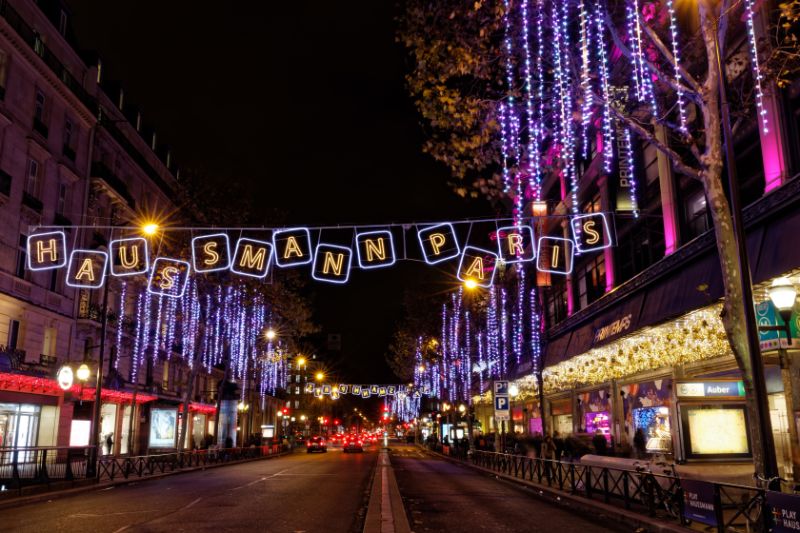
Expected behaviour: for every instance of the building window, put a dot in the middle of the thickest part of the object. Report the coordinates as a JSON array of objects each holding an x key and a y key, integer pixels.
[
  {"x": 696, "y": 213},
  {"x": 62, "y": 23},
  {"x": 13, "y": 334},
  {"x": 650, "y": 157},
  {"x": 297, "y": 404},
  {"x": 297, "y": 390},
  {"x": 3, "y": 72},
  {"x": 32, "y": 179},
  {"x": 297, "y": 378},
  {"x": 61, "y": 206},
  {"x": 22, "y": 256},
  {"x": 591, "y": 279},
  {"x": 593, "y": 205},
  {"x": 69, "y": 140},
  {"x": 38, "y": 108},
  {"x": 165, "y": 377},
  {"x": 556, "y": 302},
  {"x": 49, "y": 342}
]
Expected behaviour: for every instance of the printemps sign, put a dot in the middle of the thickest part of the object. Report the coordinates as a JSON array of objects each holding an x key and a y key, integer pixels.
[{"x": 331, "y": 263}]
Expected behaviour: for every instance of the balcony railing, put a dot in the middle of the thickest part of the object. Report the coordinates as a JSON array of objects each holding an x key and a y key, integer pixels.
[
  {"x": 31, "y": 201},
  {"x": 100, "y": 170}
]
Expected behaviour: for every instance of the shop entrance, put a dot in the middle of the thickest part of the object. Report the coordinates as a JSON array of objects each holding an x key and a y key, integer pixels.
[
  {"x": 780, "y": 434},
  {"x": 19, "y": 425}
]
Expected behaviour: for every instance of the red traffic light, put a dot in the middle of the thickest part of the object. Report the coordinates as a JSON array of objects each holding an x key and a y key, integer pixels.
[
  {"x": 285, "y": 410},
  {"x": 336, "y": 422}
]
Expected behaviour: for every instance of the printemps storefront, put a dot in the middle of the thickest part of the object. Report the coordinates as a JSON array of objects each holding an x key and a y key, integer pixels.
[{"x": 676, "y": 384}]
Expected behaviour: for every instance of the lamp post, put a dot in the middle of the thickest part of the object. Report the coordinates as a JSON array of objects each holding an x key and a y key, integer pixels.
[
  {"x": 759, "y": 386},
  {"x": 91, "y": 467}
]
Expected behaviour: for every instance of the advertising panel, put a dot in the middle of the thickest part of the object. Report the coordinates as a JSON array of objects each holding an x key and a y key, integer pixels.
[
  {"x": 698, "y": 501},
  {"x": 162, "y": 428},
  {"x": 715, "y": 431}
]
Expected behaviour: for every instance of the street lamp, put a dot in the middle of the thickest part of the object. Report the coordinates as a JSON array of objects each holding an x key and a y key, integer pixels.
[
  {"x": 783, "y": 293},
  {"x": 150, "y": 228},
  {"x": 319, "y": 376},
  {"x": 270, "y": 334},
  {"x": 83, "y": 372},
  {"x": 470, "y": 284}
]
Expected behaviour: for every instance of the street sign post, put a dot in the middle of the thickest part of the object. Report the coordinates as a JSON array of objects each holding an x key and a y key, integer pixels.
[{"x": 502, "y": 405}]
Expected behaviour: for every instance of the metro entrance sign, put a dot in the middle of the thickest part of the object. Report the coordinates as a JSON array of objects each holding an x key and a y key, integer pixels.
[{"x": 502, "y": 405}]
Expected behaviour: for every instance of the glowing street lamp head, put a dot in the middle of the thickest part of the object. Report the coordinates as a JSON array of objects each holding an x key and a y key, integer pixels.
[
  {"x": 150, "y": 228},
  {"x": 270, "y": 334},
  {"x": 320, "y": 376},
  {"x": 301, "y": 361},
  {"x": 83, "y": 372},
  {"x": 470, "y": 284}
]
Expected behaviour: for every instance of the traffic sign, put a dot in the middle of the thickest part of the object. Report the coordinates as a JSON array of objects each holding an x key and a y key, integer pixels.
[{"x": 502, "y": 404}]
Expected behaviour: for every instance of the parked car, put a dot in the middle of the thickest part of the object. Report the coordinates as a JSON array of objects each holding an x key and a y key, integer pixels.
[{"x": 316, "y": 444}]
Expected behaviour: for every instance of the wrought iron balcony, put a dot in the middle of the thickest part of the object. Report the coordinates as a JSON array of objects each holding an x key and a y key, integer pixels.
[{"x": 101, "y": 171}]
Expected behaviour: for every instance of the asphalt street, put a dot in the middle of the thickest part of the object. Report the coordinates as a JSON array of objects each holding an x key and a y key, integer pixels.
[
  {"x": 441, "y": 496},
  {"x": 324, "y": 492},
  {"x": 303, "y": 492}
]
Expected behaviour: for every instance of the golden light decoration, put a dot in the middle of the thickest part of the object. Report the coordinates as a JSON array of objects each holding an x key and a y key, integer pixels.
[{"x": 696, "y": 336}]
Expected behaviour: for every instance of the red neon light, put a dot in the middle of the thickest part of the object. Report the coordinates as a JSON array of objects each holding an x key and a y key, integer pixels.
[{"x": 47, "y": 386}]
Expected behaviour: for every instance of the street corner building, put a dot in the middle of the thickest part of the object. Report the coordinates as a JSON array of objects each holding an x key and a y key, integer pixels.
[{"x": 75, "y": 152}]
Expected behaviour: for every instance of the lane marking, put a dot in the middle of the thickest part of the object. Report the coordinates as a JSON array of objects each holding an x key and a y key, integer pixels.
[{"x": 191, "y": 504}]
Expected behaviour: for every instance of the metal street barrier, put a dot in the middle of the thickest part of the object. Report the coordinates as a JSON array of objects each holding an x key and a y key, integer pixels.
[
  {"x": 113, "y": 467},
  {"x": 26, "y": 467},
  {"x": 21, "y": 467},
  {"x": 723, "y": 507}
]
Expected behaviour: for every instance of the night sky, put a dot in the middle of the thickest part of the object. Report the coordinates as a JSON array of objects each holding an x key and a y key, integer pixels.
[{"x": 303, "y": 104}]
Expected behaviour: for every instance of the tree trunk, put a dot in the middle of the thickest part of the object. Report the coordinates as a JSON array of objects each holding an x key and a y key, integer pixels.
[{"x": 733, "y": 311}]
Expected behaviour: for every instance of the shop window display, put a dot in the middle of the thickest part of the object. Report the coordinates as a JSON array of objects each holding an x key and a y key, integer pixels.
[{"x": 654, "y": 423}]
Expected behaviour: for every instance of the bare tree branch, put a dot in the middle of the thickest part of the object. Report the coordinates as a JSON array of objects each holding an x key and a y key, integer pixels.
[
  {"x": 675, "y": 84},
  {"x": 669, "y": 57},
  {"x": 676, "y": 159}
]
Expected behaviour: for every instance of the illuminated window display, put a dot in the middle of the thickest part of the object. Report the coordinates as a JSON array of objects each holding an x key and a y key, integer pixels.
[
  {"x": 654, "y": 423},
  {"x": 599, "y": 421},
  {"x": 162, "y": 428}
]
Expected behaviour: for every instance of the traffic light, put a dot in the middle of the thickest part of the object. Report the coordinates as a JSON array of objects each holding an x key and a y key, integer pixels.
[
  {"x": 336, "y": 422},
  {"x": 285, "y": 411},
  {"x": 386, "y": 413}
]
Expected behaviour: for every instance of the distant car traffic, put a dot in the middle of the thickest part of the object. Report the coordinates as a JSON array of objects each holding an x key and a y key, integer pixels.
[
  {"x": 316, "y": 444},
  {"x": 353, "y": 444}
]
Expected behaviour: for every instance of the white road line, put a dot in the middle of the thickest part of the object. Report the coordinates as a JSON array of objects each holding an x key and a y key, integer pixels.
[{"x": 191, "y": 504}]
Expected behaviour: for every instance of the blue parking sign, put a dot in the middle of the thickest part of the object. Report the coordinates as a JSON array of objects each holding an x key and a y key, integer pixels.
[
  {"x": 501, "y": 403},
  {"x": 500, "y": 388}
]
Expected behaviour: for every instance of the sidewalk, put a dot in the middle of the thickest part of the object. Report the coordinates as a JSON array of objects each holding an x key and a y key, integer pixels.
[
  {"x": 52, "y": 491},
  {"x": 588, "y": 507}
]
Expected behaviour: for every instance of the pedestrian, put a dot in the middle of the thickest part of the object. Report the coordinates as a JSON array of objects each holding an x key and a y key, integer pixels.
[
  {"x": 639, "y": 444},
  {"x": 600, "y": 444},
  {"x": 548, "y": 448}
]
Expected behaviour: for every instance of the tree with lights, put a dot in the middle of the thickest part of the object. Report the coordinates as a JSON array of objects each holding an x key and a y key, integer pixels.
[{"x": 512, "y": 90}]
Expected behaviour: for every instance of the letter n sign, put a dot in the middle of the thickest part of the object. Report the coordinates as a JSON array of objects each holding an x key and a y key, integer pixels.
[
  {"x": 515, "y": 244},
  {"x": 555, "y": 255},
  {"x": 169, "y": 277},
  {"x": 332, "y": 263},
  {"x": 439, "y": 243},
  {"x": 591, "y": 232},
  {"x": 375, "y": 249},
  {"x": 47, "y": 251}
]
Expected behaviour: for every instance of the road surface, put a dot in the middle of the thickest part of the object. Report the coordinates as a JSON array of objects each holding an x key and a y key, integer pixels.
[{"x": 302, "y": 492}]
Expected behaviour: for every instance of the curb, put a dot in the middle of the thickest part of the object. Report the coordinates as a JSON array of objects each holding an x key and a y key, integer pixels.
[
  {"x": 594, "y": 509},
  {"x": 19, "y": 501}
]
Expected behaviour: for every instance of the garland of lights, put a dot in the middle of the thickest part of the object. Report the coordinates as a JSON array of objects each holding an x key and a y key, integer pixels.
[{"x": 754, "y": 63}]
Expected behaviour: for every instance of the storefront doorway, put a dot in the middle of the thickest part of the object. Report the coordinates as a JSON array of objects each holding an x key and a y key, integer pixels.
[{"x": 19, "y": 425}]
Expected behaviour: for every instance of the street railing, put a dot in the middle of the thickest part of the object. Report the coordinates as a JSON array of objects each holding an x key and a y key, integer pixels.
[
  {"x": 732, "y": 507},
  {"x": 113, "y": 467},
  {"x": 24, "y": 466}
]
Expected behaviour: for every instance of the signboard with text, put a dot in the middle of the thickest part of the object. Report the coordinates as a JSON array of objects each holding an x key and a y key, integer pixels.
[
  {"x": 785, "y": 509},
  {"x": 502, "y": 404},
  {"x": 699, "y": 502}
]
